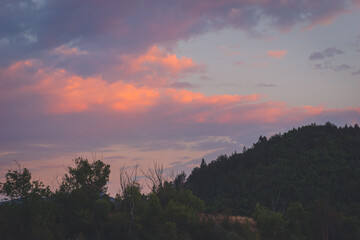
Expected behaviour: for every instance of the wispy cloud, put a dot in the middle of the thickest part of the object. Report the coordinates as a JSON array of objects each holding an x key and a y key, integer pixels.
[
  {"x": 277, "y": 53},
  {"x": 356, "y": 72},
  {"x": 266, "y": 85},
  {"x": 330, "y": 66},
  {"x": 66, "y": 51},
  {"x": 341, "y": 67},
  {"x": 327, "y": 53}
]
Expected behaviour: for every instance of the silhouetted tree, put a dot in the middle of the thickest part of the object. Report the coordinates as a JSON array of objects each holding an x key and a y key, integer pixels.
[
  {"x": 18, "y": 184},
  {"x": 91, "y": 177}
]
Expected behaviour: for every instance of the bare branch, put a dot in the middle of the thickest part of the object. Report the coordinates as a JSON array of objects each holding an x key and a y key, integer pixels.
[
  {"x": 126, "y": 179},
  {"x": 155, "y": 176}
]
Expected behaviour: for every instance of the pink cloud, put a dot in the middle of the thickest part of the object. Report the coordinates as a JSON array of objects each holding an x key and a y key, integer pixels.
[
  {"x": 325, "y": 20},
  {"x": 62, "y": 93},
  {"x": 189, "y": 97},
  {"x": 67, "y": 93},
  {"x": 356, "y": 2},
  {"x": 157, "y": 67},
  {"x": 313, "y": 110},
  {"x": 155, "y": 58},
  {"x": 277, "y": 53}
]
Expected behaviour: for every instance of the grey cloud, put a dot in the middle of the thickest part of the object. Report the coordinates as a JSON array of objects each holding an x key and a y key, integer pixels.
[
  {"x": 330, "y": 66},
  {"x": 356, "y": 43},
  {"x": 341, "y": 67},
  {"x": 29, "y": 29},
  {"x": 327, "y": 53},
  {"x": 182, "y": 85},
  {"x": 266, "y": 85},
  {"x": 356, "y": 72}
]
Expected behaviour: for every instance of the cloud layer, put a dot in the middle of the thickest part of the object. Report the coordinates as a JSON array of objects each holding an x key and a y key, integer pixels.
[
  {"x": 30, "y": 29},
  {"x": 53, "y": 106}
]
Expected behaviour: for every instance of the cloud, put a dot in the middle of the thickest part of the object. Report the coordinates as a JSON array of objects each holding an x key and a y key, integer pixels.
[
  {"x": 32, "y": 29},
  {"x": 330, "y": 66},
  {"x": 341, "y": 67},
  {"x": 327, "y": 53},
  {"x": 277, "y": 53},
  {"x": 65, "y": 92},
  {"x": 66, "y": 50},
  {"x": 156, "y": 67},
  {"x": 356, "y": 43},
  {"x": 60, "y": 94},
  {"x": 356, "y": 72},
  {"x": 266, "y": 85},
  {"x": 356, "y": 2},
  {"x": 182, "y": 85},
  {"x": 56, "y": 107}
]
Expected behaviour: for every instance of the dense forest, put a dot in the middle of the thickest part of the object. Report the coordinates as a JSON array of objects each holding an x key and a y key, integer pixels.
[
  {"x": 303, "y": 184},
  {"x": 312, "y": 171}
]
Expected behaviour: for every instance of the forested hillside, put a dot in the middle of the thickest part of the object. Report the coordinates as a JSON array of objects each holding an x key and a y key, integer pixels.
[{"x": 314, "y": 167}]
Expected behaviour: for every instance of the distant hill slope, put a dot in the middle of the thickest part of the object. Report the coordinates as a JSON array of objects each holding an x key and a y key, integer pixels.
[{"x": 303, "y": 165}]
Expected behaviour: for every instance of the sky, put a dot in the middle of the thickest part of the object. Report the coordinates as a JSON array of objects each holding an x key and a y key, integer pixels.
[{"x": 134, "y": 82}]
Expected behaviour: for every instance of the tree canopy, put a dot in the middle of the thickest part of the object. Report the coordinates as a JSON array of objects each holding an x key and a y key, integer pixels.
[{"x": 303, "y": 184}]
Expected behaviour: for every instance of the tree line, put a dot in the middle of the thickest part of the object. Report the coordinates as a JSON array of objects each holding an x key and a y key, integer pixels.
[
  {"x": 81, "y": 208},
  {"x": 303, "y": 184}
]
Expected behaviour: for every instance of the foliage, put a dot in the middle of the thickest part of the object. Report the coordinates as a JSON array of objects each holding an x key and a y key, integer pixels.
[
  {"x": 18, "y": 185},
  {"x": 299, "y": 185},
  {"x": 312, "y": 172},
  {"x": 81, "y": 209},
  {"x": 90, "y": 176}
]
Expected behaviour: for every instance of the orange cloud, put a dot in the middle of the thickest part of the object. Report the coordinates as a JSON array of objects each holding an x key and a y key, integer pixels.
[
  {"x": 80, "y": 94},
  {"x": 277, "y": 53},
  {"x": 66, "y": 92},
  {"x": 157, "y": 60},
  {"x": 186, "y": 97}
]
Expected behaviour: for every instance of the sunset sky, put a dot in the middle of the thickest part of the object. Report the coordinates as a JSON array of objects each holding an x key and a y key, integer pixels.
[{"x": 138, "y": 81}]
